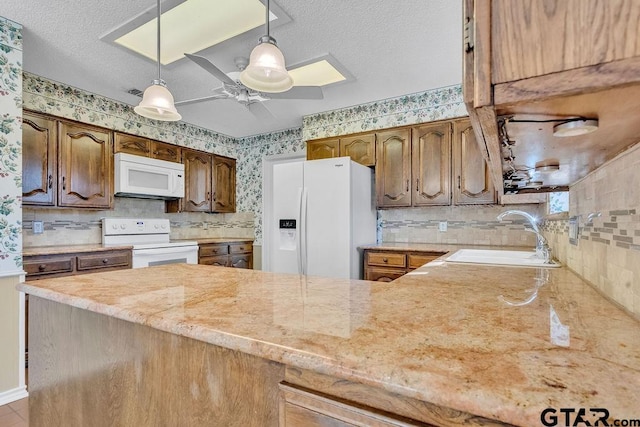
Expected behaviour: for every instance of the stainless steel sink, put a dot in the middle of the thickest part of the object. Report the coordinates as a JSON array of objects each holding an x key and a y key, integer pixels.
[{"x": 499, "y": 257}]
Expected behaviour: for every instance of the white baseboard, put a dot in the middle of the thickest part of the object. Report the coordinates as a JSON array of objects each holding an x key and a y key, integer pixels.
[{"x": 13, "y": 395}]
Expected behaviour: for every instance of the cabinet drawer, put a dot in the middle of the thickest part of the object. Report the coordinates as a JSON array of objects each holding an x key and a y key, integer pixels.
[
  {"x": 215, "y": 249},
  {"x": 383, "y": 274},
  {"x": 389, "y": 259},
  {"x": 104, "y": 260},
  {"x": 418, "y": 260},
  {"x": 219, "y": 260},
  {"x": 241, "y": 261},
  {"x": 240, "y": 248},
  {"x": 37, "y": 267}
]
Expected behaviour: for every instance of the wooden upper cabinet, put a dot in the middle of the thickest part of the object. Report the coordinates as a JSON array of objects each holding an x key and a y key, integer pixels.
[
  {"x": 132, "y": 144},
  {"x": 323, "y": 149},
  {"x": 534, "y": 38},
  {"x": 163, "y": 151},
  {"x": 393, "y": 168},
  {"x": 85, "y": 174},
  {"x": 361, "y": 148},
  {"x": 39, "y": 147},
  {"x": 472, "y": 177},
  {"x": 197, "y": 169},
  {"x": 431, "y": 164},
  {"x": 224, "y": 184}
]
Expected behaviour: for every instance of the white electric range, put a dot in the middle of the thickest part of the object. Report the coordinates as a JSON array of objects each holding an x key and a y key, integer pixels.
[{"x": 150, "y": 241}]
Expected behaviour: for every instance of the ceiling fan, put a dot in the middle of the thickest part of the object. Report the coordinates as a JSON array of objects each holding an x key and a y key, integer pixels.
[{"x": 232, "y": 88}]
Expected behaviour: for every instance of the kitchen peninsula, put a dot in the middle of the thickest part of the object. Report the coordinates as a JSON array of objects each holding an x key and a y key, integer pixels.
[{"x": 446, "y": 344}]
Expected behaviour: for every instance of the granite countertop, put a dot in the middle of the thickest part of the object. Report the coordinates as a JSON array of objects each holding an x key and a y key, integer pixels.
[
  {"x": 499, "y": 342},
  {"x": 68, "y": 249}
]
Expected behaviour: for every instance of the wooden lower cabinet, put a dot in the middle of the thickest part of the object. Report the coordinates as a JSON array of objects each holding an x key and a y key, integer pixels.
[
  {"x": 303, "y": 407},
  {"x": 227, "y": 254},
  {"x": 386, "y": 265}
]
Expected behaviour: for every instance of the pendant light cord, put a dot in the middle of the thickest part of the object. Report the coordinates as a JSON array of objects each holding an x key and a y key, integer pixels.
[
  {"x": 266, "y": 21},
  {"x": 158, "y": 39}
]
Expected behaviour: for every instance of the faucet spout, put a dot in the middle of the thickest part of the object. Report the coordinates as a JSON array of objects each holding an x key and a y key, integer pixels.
[{"x": 543, "y": 250}]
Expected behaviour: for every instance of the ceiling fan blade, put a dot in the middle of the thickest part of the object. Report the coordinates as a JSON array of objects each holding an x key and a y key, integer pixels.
[
  {"x": 260, "y": 111},
  {"x": 202, "y": 99},
  {"x": 299, "y": 92},
  {"x": 208, "y": 65}
]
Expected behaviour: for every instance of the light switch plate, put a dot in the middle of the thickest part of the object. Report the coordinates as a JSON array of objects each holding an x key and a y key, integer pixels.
[
  {"x": 442, "y": 226},
  {"x": 38, "y": 227},
  {"x": 574, "y": 230}
]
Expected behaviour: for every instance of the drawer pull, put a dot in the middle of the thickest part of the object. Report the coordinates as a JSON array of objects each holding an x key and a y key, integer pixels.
[
  {"x": 385, "y": 260},
  {"x": 42, "y": 267},
  {"x": 105, "y": 261}
]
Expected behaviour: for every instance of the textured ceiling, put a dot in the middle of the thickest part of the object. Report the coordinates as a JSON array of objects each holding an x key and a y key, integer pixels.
[{"x": 391, "y": 47}]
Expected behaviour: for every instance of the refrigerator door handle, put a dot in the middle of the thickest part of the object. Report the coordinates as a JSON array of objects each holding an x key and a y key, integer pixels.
[
  {"x": 303, "y": 230},
  {"x": 299, "y": 236}
]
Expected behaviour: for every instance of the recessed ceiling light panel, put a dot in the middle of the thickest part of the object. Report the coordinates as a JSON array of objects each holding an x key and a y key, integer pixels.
[{"x": 191, "y": 26}]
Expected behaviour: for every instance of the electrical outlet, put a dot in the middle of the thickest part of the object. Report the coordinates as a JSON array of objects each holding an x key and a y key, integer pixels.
[
  {"x": 38, "y": 227},
  {"x": 442, "y": 226}
]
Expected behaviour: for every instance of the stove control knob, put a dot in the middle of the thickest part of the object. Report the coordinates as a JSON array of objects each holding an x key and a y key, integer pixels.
[
  {"x": 123, "y": 226},
  {"x": 164, "y": 226},
  {"x": 156, "y": 226},
  {"x": 115, "y": 226}
]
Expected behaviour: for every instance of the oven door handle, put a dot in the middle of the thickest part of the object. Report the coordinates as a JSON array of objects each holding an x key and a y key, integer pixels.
[{"x": 168, "y": 251}]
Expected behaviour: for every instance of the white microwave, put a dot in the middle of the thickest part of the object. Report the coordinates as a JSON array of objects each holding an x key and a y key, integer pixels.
[{"x": 144, "y": 177}]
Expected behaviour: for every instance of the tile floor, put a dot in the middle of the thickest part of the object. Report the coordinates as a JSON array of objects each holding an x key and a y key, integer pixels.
[{"x": 15, "y": 414}]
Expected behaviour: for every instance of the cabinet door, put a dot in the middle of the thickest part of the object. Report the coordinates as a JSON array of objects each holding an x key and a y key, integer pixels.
[
  {"x": 85, "y": 173},
  {"x": 431, "y": 164},
  {"x": 163, "y": 151},
  {"x": 224, "y": 184},
  {"x": 473, "y": 180},
  {"x": 241, "y": 261},
  {"x": 197, "y": 170},
  {"x": 361, "y": 149},
  {"x": 131, "y": 144},
  {"x": 39, "y": 141},
  {"x": 323, "y": 149},
  {"x": 393, "y": 168},
  {"x": 383, "y": 274}
]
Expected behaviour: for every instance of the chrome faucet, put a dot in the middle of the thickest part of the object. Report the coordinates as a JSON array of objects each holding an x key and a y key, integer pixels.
[{"x": 543, "y": 251}]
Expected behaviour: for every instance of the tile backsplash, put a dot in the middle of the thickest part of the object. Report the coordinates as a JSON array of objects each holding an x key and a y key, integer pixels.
[
  {"x": 475, "y": 225},
  {"x": 608, "y": 250},
  {"x": 75, "y": 226}
]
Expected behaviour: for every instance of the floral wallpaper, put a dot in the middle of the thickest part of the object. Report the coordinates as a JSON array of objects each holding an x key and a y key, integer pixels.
[
  {"x": 437, "y": 104},
  {"x": 10, "y": 147},
  {"x": 47, "y": 96}
]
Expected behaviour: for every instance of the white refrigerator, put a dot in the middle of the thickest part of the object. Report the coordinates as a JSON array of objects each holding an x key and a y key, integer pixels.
[{"x": 322, "y": 210}]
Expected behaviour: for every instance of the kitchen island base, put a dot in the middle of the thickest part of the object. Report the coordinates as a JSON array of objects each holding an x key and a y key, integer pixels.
[{"x": 88, "y": 368}]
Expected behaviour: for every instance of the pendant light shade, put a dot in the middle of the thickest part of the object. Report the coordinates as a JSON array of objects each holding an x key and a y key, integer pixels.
[
  {"x": 266, "y": 71},
  {"x": 157, "y": 101}
]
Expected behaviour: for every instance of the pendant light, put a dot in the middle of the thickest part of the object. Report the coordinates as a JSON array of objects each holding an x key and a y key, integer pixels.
[
  {"x": 266, "y": 71},
  {"x": 157, "y": 101}
]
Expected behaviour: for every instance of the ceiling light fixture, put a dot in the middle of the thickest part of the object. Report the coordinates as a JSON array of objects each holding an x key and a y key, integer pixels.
[
  {"x": 157, "y": 101},
  {"x": 575, "y": 127},
  {"x": 266, "y": 71}
]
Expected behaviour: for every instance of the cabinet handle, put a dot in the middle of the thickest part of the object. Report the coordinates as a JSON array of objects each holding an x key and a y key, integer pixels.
[
  {"x": 208, "y": 196},
  {"x": 105, "y": 261},
  {"x": 42, "y": 267},
  {"x": 50, "y": 181},
  {"x": 385, "y": 260},
  {"x": 407, "y": 185},
  {"x": 64, "y": 183},
  {"x": 458, "y": 182},
  {"x": 417, "y": 184},
  {"x": 214, "y": 196}
]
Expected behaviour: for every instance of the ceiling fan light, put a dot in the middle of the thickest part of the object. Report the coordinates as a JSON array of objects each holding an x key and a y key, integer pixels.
[
  {"x": 266, "y": 71},
  {"x": 157, "y": 103}
]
